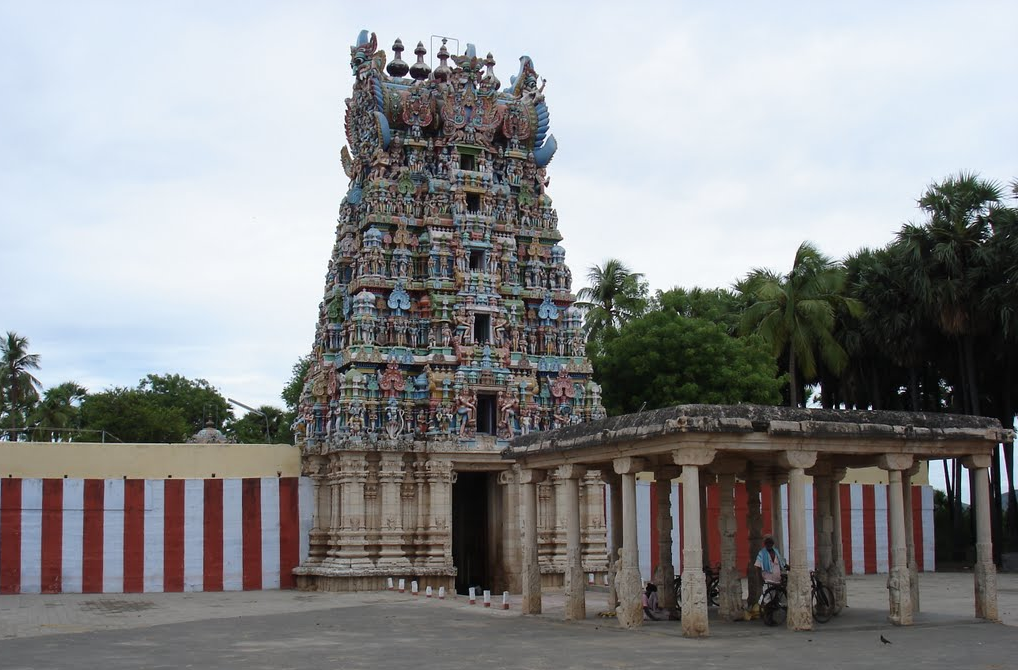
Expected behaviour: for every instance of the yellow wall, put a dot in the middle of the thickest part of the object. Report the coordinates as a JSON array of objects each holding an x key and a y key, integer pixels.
[{"x": 147, "y": 460}]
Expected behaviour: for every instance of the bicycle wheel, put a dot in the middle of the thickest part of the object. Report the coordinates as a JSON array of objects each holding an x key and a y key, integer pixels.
[
  {"x": 713, "y": 592},
  {"x": 776, "y": 611},
  {"x": 823, "y": 604}
]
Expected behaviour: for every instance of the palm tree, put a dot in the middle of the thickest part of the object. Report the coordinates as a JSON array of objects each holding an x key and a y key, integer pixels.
[
  {"x": 19, "y": 389},
  {"x": 615, "y": 296},
  {"x": 795, "y": 314},
  {"x": 57, "y": 410}
]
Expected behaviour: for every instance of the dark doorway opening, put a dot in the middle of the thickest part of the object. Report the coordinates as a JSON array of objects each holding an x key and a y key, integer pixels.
[
  {"x": 476, "y": 260},
  {"x": 468, "y": 162},
  {"x": 473, "y": 202},
  {"x": 485, "y": 414},
  {"x": 482, "y": 328},
  {"x": 470, "y": 531}
]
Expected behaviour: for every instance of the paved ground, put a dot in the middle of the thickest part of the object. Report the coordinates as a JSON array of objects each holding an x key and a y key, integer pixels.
[{"x": 386, "y": 630}]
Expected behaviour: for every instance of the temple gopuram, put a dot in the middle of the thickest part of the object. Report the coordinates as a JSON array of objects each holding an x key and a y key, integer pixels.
[{"x": 447, "y": 329}]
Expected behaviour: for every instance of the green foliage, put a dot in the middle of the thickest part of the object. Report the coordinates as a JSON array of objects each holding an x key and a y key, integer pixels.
[
  {"x": 59, "y": 409},
  {"x": 615, "y": 296},
  {"x": 251, "y": 427},
  {"x": 721, "y": 306},
  {"x": 135, "y": 416},
  {"x": 19, "y": 388},
  {"x": 795, "y": 314},
  {"x": 291, "y": 393},
  {"x": 664, "y": 359},
  {"x": 197, "y": 401}
]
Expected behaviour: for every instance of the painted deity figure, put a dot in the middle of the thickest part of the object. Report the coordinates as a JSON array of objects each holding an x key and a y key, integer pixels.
[{"x": 465, "y": 406}]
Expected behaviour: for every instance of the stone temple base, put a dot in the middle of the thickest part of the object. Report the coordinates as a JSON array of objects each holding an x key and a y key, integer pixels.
[{"x": 351, "y": 580}]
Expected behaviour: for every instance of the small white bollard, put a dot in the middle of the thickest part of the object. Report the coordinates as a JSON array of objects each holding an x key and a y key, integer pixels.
[
  {"x": 473, "y": 596},
  {"x": 590, "y": 578},
  {"x": 402, "y": 585},
  {"x": 505, "y": 600},
  {"x": 413, "y": 587},
  {"x": 487, "y": 598},
  {"x": 441, "y": 593},
  {"x": 390, "y": 584},
  {"x": 427, "y": 592}
]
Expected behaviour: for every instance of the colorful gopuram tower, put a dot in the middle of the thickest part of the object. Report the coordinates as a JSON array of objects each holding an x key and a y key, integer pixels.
[{"x": 447, "y": 326}]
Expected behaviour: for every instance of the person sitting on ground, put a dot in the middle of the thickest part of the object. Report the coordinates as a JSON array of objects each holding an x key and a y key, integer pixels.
[
  {"x": 650, "y": 602},
  {"x": 769, "y": 562}
]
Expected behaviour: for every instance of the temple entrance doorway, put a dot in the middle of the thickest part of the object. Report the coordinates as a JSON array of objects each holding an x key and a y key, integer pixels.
[{"x": 471, "y": 517}]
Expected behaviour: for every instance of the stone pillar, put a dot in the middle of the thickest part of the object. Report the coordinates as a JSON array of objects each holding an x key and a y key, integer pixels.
[
  {"x": 800, "y": 612},
  {"x": 529, "y": 478},
  {"x": 627, "y": 581},
  {"x": 705, "y": 480},
  {"x": 754, "y": 524},
  {"x": 898, "y": 588},
  {"x": 777, "y": 517},
  {"x": 913, "y": 568},
  {"x": 730, "y": 606},
  {"x": 440, "y": 479},
  {"x": 318, "y": 535},
  {"x": 614, "y": 536},
  {"x": 335, "y": 522},
  {"x": 390, "y": 479},
  {"x": 664, "y": 576},
  {"x": 984, "y": 570},
  {"x": 353, "y": 476},
  {"x": 575, "y": 585},
  {"x": 592, "y": 524},
  {"x": 694, "y": 589},
  {"x": 511, "y": 535},
  {"x": 836, "y": 572},
  {"x": 822, "y": 522}
]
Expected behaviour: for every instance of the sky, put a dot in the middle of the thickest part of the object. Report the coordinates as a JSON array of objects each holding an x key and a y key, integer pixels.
[{"x": 170, "y": 171}]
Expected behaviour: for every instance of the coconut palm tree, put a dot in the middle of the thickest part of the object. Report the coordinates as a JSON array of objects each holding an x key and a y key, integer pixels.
[
  {"x": 795, "y": 314},
  {"x": 57, "y": 410},
  {"x": 19, "y": 389},
  {"x": 615, "y": 295}
]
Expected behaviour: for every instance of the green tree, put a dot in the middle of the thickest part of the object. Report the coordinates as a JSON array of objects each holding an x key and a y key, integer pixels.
[
  {"x": 251, "y": 427},
  {"x": 19, "y": 388},
  {"x": 291, "y": 393},
  {"x": 615, "y": 296},
  {"x": 721, "y": 306},
  {"x": 664, "y": 359},
  {"x": 795, "y": 314},
  {"x": 58, "y": 410},
  {"x": 134, "y": 416},
  {"x": 197, "y": 401}
]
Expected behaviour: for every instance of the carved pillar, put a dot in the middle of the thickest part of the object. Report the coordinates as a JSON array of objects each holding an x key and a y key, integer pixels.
[
  {"x": 705, "y": 480},
  {"x": 390, "y": 481},
  {"x": 352, "y": 477},
  {"x": 898, "y": 584},
  {"x": 558, "y": 531},
  {"x": 529, "y": 478},
  {"x": 754, "y": 525},
  {"x": 984, "y": 570},
  {"x": 730, "y": 606},
  {"x": 664, "y": 576},
  {"x": 694, "y": 589},
  {"x": 800, "y": 613},
  {"x": 913, "y": 568},
  {"x": 575, "y": 586},
  {"x": 627, "y": 580},
  {"x": 440, "y": 479},
  {"x": 836, "y": 572},
  {"x": 511, "y": 530},
  {"x": 592, "y": 524},
  {"x": 318, "y": 535},
  {"x": 822, "y": 522},
  {"x": 614, "y": 483}
]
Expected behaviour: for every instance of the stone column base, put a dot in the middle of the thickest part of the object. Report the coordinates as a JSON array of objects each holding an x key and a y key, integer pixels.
[
  {"x": 800, "y": 611},
  {"x": 900, "y": 594},
  {"x": 331, "y": 579},
  {"x": 630, "y": 609},
  {"x": 985, "y": 574}
]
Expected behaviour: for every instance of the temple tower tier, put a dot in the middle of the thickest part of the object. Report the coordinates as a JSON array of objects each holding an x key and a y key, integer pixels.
[{"x": 447, "y": 328}]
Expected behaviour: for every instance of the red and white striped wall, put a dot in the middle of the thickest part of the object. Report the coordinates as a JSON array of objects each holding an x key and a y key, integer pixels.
[
  {"x": 864, "y": 526},
  {"x": 159, "y": 535}
]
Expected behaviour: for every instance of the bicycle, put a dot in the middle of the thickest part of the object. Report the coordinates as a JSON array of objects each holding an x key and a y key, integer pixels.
[
  {"x": 774, "y": 602},
  {"x": 713, "y": 579},
  {"x": 822, "y": 599}
]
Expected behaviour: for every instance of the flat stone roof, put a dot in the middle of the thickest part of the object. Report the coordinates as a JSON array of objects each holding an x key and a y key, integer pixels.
[{"x": 776, "y": 421}]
